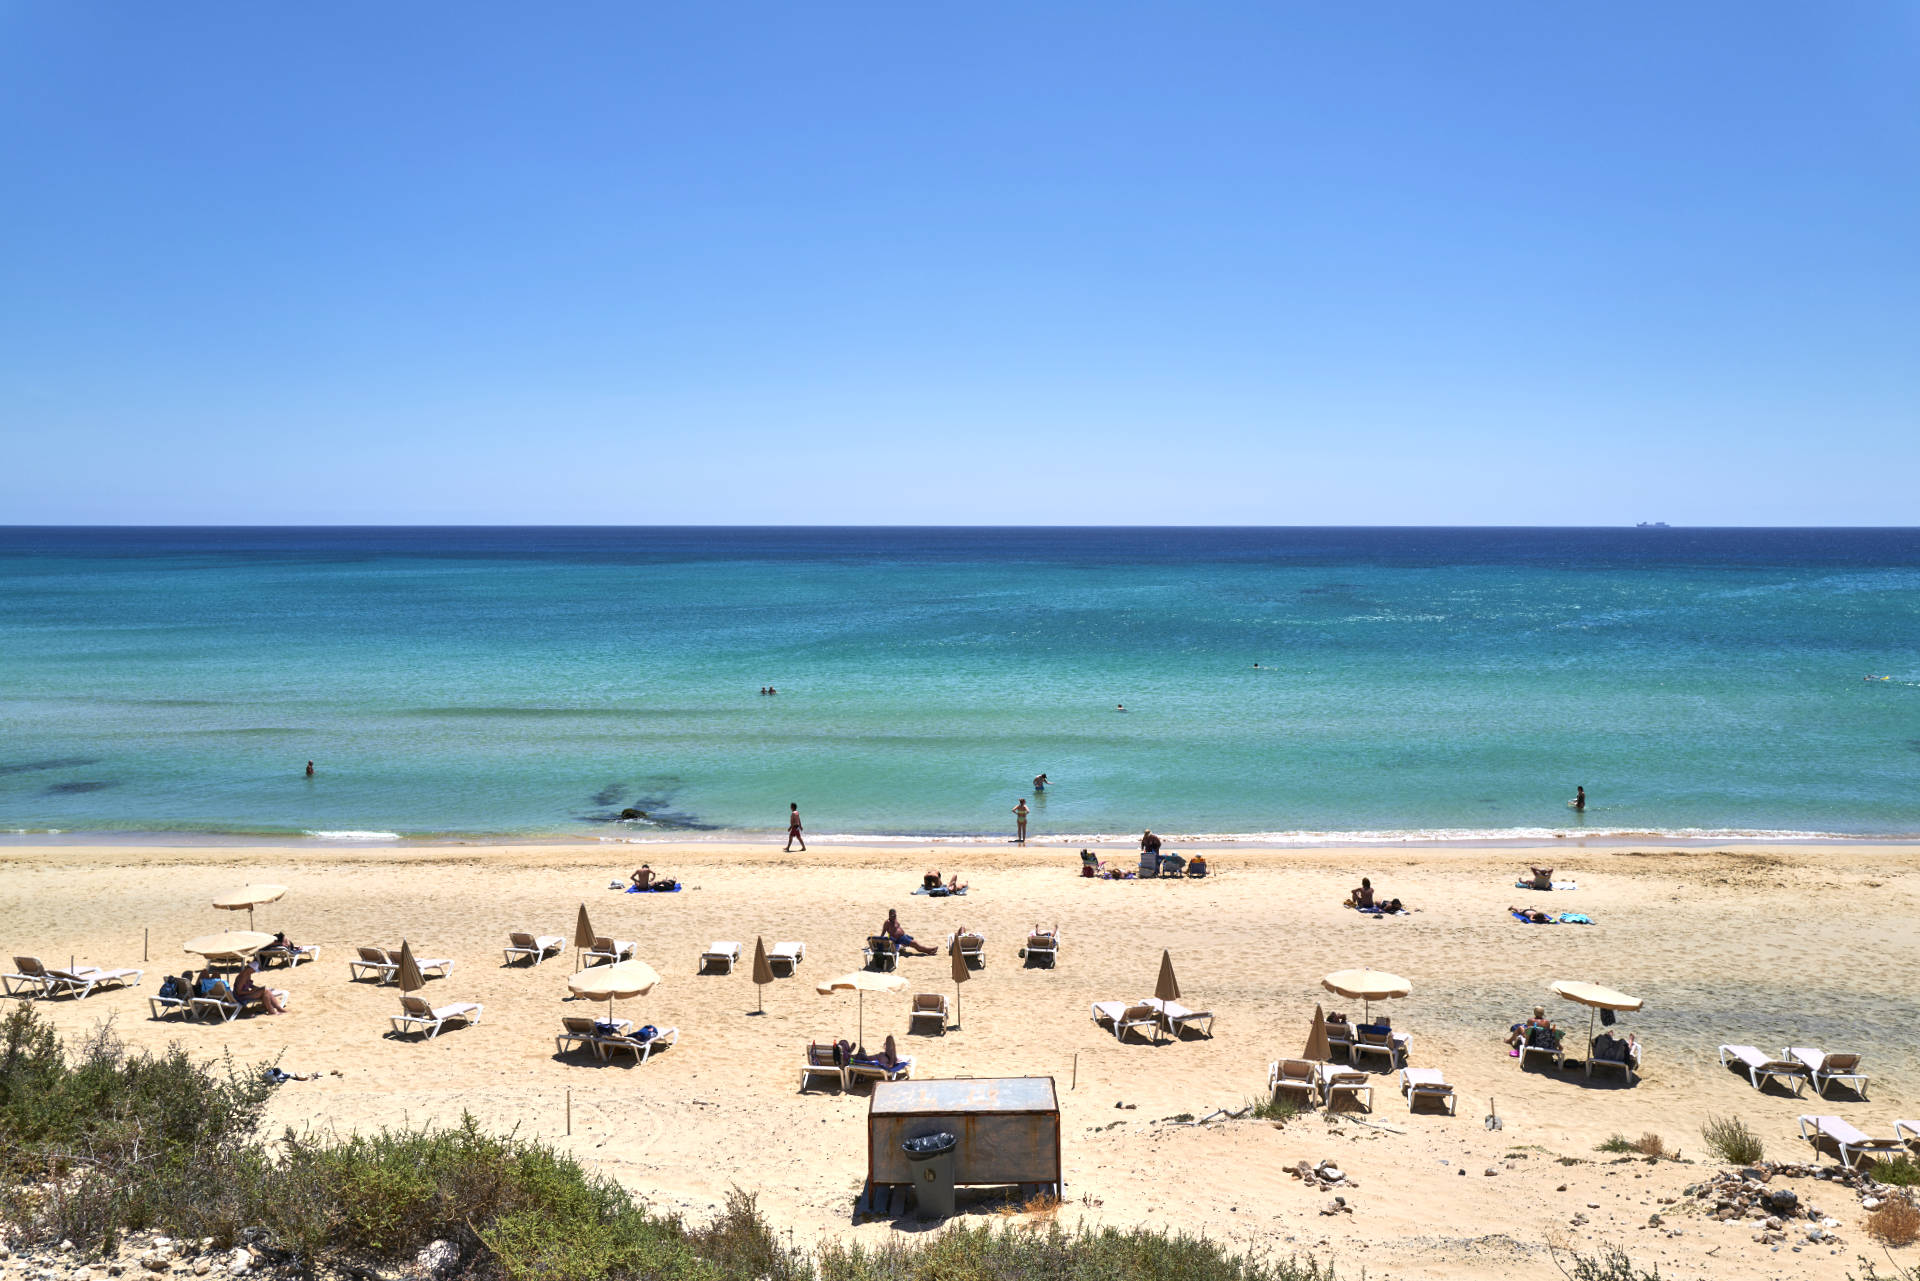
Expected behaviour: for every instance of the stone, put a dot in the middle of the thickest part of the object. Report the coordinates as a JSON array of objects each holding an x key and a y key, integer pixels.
[
  {"x": 1870, "y": 1203},
  {"x": 438, "y": 1258},
  {"x": 1491, "y": 1172},
  {"x": 239, "y": 1262},
  {"x": 202, "y": 1266},
  {"x": 155, "y": 1261},
  {"x": 1783, "y": 1200}
]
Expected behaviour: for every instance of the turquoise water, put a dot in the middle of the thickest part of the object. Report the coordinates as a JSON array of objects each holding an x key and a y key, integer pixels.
[{"x": 532, "y": 683}]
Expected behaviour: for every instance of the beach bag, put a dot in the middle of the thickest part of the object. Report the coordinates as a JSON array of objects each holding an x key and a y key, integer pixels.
[
  {"x": 170, "y": 990},
  {"x": 842, "y": 1053},
  {"x": 1540, "y": 1038},
  {"x": 646, "y": 1033}
]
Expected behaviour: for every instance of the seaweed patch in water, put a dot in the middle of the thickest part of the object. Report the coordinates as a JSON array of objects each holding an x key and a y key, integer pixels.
[
  {"x": 71, "y": 789},
  {"x": 63, "y": 762}
]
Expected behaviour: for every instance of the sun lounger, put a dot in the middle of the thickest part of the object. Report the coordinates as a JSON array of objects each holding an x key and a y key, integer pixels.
[
  {"x": 822, "y": 1062},
  {"x": 901, "y": 1071},
  {"x": 83, "y": 979},
  {"x": 720, "y": 958},
  {"x": 973, "y": 947},
  {"x": 586, "y": 1030},
  {"x": 929, "y": 1005},
  {"x": 787, "y": 956},
  {"x": 1380, "y": 1040},
  {"x": 31, "y": 978},
  {"x": 1908, "y": 1130},
  {"x": 374, "y": 961},
  {"x": 1828, "y": 1068},
  {"x": 534, "y": 948},
  {"x": 1851, "y": 1142},
  {"x": 1627, "y": 1066},
  {"x": 1125, "y": 1017},
  {"x": 287, "y": 956},
  {"x": 1760, "y": 1069},
  {"x": 1176, "y": 1017},
  {"x": 220, "y": 1003},
  {"x": 610, "y": 949},
  {"x": 1294, "y": 1078},
  {"x": 641, "y": 1050},
  {"x": 881, "y": 954},
  {"x": 1340, "y": 1040},
  {"x": 1343, "y": 1080},
  {"x": 1427, "y": 1083},
  {"x": 416, "y": 1015},
  {"x": 1552, "y": 1050},
  {"x": 1044, "y": 947}
]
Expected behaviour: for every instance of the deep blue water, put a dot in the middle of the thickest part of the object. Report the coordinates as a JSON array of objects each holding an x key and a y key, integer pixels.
[{"x": 535, "y": 681}]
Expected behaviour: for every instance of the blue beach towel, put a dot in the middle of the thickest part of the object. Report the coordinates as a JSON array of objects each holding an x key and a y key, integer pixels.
[{"x": 1575, "y": 918}]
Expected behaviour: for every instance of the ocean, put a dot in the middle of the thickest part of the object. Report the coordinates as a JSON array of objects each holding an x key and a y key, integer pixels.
[{"x": 1307, "y": 685}]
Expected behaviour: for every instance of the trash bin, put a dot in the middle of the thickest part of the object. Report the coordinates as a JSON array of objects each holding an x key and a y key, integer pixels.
[{"x": 931, "y": 1158}]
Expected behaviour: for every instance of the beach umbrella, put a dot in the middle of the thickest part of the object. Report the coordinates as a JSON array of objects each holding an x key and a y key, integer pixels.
[
  {"x": 1166, "y": 987},
  {"x": 961, "y": 972},
  {"x": 762, "y": 973},
  {"x": 1595, "y": 998},
  {"x": 582, "y": 935},
  {"x": 1367, "y": 986},
  {"x": 863, "y": 982},
  {"x": 249, "y": 897},
  {"x": 411, "y": 980},
  {"x": 233, "y": 945},
  {"x": 1317, "y": 1050},
  {"x": 621, "y": 981}
]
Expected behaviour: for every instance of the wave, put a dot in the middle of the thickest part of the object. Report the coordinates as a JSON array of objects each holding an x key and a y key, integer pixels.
[{"x": 351, "y": 835}]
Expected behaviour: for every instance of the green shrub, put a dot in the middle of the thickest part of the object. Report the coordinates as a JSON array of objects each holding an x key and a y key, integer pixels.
[
  {"x": 1614, "y": 1265},
  {"x": 968, "y": 1253},
  {"x": 1730, "y": 1139},
  {"x": 1616, "y": 1143},
  {"x": 1900, "y": 1171},
  {"x": 1276, "y": 1108}
]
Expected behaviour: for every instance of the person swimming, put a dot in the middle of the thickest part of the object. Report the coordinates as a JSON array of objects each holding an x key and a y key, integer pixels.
[{"x": 1579, "y": 798}]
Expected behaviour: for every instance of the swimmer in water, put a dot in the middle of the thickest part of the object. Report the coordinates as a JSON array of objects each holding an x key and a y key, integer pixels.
[
  {"x": 1119, "y": 707},
  {"x": 1039, "y": 782},
  {"x": 309, "y": 769},
  {"x": 1579, "y": 798}
]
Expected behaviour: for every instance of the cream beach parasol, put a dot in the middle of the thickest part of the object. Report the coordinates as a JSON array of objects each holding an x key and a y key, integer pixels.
[
  {"x": 1317, "y": 1051},
  {"x": 1366, "y": 986},
  {"x": 582, "y": 937},
  {"x": 1595, "y": 998},
  {"x": 1166, "y": 987},
  {"x": 762, "y": 974},
  {"x": 233, "y": 946},
  {"x": 409, "y": 975},
  {"x": 249, "y": 897},
  {"x": 863, "y": 982},
  {"x": 620, "y": 981}
]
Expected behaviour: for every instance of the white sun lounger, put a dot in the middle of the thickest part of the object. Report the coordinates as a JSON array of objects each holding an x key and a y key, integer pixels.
[
  {"x": 973, "y": 947},
  {"x": 1841, "y": 1133},
  {"x": 881, "y": 953},
  {"x": 720, "y": 958},
  {"x": 291, "y": 955},
  {"x": 32, "y": 977},
  {"x": 585, "y": 1030},
  {"x": 820, "y": 1062},
  {"x": 533, "y": 948},
  {"x": 641, "y": 1050},
  {"x": 787, "y": 955},
  {"x": 929, "y": 1005},
  {"x": 1760, "y": 1069},
  {"x": 441, "y": 965},
  {"x": 1343, "y": 1080},
  {"x": 416, "y": 1014},
  {"x": 83, "y": 979},
  {"x": 903, "y": 1071},
  {"x": 1295, "y": 1078},
  {"x": 1175, "y": 1017},
  {"x": 374, "y": 961},
  {"x": 610, "y": 949},
  {"x": 1125, "y": 1017},
  {"x": 165, "y": 1007},
  {"x": 1828, "y": 1068},
  {"x": 1390, "y": 1043},
  {"x": 1044, "y": 946},
  {"x": 1908, "y": 1130},
  {"x": 225, "y": 1006},
  {"x": 1427, "y": 1083}
]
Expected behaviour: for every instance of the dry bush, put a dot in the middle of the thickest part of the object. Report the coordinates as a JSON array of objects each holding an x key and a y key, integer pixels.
[
  {"x": 1896, "y": 1222},
  {"x": 1651, "y": 1144}
]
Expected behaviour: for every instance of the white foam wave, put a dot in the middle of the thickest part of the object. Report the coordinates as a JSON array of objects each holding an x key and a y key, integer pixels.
[{"x": 353, "y": 836}]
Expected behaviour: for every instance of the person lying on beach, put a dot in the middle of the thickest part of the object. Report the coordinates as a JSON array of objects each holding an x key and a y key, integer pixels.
[
  {"x": 248, "y": 992},
  {"x": 888, "y": 1058},
  {"x": 207, "y": 983},
  {"x": 1517, "y": 1034},
  {"x": 955, "y": 885},
  {"x": 1392, "y": 907},
  {"x": 901, "y": 939},
  {"x": 1532, "y": 916},
  {"x": 1361, "y": 895}
]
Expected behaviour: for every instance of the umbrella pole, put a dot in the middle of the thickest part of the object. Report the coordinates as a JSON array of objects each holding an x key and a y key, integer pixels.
[{"x": 863, "y": 1021}]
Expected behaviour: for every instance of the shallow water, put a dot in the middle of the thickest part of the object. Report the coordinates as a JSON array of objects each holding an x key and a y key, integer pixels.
[{"x": 523, "y": 682}]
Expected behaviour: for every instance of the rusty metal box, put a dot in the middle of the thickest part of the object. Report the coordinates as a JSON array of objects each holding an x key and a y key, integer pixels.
[{"x": 1008, "y": 1127}]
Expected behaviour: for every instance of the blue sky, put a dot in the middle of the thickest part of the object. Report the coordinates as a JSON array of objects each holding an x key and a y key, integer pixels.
[{"x": 997, "y": 264}]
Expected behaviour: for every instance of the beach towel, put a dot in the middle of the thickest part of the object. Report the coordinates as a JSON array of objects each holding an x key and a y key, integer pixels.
[
  {"x": 1524, "y": 919},
  {"x": 942, "y": 892},
  {"x": 1524, "y": 884},
  {"x": 662, "y": 887},
  {"x": 1575, "y": 918}
]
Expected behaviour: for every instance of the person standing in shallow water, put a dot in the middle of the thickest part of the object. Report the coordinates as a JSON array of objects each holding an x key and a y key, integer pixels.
[
  {"x": 1020, "y": 821},
  {"x": 793, "y": 828},
  {"x": 1579, "y": 798},
  {"x": 309, "y": 769}
]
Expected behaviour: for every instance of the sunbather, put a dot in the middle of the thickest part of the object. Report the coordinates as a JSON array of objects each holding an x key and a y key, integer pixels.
[
  {"x": 887, "y": 1058},
  {"x": 642, "y": 878},
  {"x": 1362, "y": 895},
  {"x": 1532, "y": 916},
  {"x": 955, "y": 885},
  {"x": 1608, "y": 1048},
  {"x": 1517, "y": 1034},
  {"x": 1542, "y": 877},
  {"x": 248, "y": 992},
  {"x": 901, "y": 939},
  {"x": 207, "y": 983},
  {"x": 1197, "y": 866},
  {"x": 930, "y": 880}
]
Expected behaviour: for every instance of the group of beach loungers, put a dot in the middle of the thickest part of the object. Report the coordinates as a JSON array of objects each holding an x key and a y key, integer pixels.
[
  {"x": 840, "y": 1063},
  {"x": 1797, "y": 1065},
  {"x": 608, "y": 1037},
  {"x": 1153, "y": 1015},
  {"x": 32, "y": 977}
]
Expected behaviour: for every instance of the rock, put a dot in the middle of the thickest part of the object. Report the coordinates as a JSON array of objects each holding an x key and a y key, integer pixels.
[
  {"x": 202, "y": 1266},
  {"x": 155, "y": 1261},
  {"x": 1491, "y": 1172},
  {"x": 66, "y": 1247},
  {"x": 630, "y": 812},
  {"x": 239, "y": 1262},
  {"x": 1870, "y": 1203},
  {"x": 438, "y": 1258},
  {"x": 1653, "y": 1220},
  {"x": 1783, "y": 1200},
  {"x": 1561, "y": 1188}
]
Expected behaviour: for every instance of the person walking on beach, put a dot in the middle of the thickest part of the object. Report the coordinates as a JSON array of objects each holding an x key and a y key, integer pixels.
[
  {"x": 1020, "y": 821},
  {"x": 793, "y": 828}
]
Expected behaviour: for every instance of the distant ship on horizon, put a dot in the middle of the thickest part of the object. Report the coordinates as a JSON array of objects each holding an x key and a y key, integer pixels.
[{"x": 1653, "y": 524}]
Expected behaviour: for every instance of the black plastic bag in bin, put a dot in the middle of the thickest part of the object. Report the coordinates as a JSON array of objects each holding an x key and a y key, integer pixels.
[{"x": 929, "y": 1145}]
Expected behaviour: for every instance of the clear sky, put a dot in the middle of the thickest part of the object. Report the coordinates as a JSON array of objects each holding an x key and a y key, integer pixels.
[{"x": 991, "y": 263}]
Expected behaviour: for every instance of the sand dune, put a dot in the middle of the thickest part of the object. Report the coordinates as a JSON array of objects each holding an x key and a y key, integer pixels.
[{"x": 1808, "y": 945}]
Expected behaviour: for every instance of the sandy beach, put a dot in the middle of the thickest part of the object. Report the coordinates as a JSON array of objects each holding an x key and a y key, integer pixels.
[{"x": 1770, "y": 946}]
